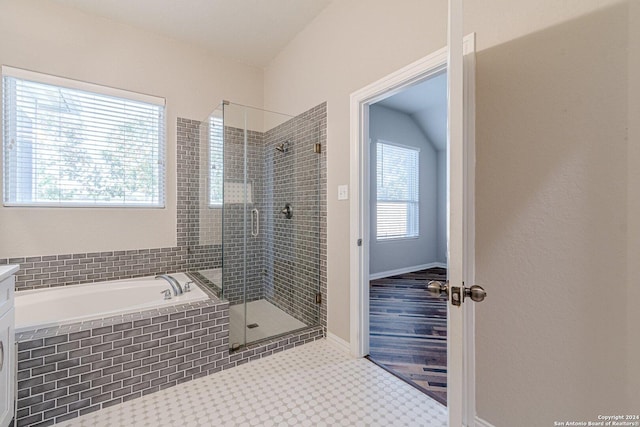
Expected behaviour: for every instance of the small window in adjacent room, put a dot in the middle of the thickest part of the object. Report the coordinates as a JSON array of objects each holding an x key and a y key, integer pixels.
[
  {"x": 74, "y": 144},
  {"x": 216, "y": 162},
  {"x": 397, "y": 176}
]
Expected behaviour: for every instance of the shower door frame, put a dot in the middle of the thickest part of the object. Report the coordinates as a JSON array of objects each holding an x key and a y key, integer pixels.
[{"x": 248, "y": 222}]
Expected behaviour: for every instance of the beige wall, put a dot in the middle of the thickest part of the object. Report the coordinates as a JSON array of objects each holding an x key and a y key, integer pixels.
[
  {"x": 49, "y": 38},
  {"x": 633, "y": 212},
  {"x": 554, "y": 172},
  {"x": 551, "y": 219}
]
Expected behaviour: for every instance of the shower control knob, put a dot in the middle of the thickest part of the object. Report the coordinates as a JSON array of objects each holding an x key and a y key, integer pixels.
[{"x": 287, "y": 211}]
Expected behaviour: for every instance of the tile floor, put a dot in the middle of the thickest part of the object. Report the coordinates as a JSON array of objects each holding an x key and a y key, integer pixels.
[
  {"x": 270, "y": 319},
  {"x": 312, "y": 385}
]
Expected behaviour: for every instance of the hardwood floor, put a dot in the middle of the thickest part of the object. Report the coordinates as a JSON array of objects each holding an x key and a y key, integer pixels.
[{"x": 408, "y": 330}]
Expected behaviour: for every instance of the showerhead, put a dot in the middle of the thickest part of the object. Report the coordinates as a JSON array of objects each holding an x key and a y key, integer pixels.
[{"x": 283, "y": 147}]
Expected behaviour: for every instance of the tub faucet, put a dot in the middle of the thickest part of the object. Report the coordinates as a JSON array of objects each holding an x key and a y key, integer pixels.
[{"x": 175, "y": 285}]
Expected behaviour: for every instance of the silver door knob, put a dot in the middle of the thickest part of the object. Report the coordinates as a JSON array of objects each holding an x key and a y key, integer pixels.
[
  {"x": 476, "y": 293},
  {"x": 437, "y": 289}
]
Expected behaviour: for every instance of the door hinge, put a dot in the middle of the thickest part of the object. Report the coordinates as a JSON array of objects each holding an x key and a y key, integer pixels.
[{"x": 318, "y": 298}]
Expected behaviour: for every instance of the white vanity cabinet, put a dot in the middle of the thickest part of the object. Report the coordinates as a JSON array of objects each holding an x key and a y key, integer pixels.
[{"x": 7, "y": 337}]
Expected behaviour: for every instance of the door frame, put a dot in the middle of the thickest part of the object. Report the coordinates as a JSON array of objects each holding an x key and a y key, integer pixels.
[{"x": 359, "y": 204}]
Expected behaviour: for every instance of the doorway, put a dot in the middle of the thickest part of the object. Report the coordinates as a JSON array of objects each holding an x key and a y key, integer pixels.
[
  {"x": 407, "y": 244},
  {"x": 460, "y": 64}
]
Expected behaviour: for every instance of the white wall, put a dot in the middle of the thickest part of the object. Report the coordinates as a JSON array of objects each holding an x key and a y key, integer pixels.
[
  {"x": 552, "y": 182},
  {"x": 394, "y": 126},
  {"x": 50, "y": 38}
]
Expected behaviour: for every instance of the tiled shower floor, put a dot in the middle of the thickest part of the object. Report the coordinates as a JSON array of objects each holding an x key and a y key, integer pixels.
[
  {"x": 270, "y": 319},
  {"x": 311, "y": 385}
]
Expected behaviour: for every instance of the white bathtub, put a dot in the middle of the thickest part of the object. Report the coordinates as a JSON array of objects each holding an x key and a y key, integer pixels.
[{"x": 42, "y": 308}]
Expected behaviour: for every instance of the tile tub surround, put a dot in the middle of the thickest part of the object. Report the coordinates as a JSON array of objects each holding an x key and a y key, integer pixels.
[{"x": 71, "y": 370}]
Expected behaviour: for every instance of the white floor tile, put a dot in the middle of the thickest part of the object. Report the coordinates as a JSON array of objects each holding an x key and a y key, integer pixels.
[{"x": 314, "y": 384}]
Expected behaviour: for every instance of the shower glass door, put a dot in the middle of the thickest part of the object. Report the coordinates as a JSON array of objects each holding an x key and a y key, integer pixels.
[{"x": 270, "y": 262}]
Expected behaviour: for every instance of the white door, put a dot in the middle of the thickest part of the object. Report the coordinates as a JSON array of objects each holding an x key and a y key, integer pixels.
[
  {"x": 455, "y": 212},
  {"x": 461, "y": 222}
]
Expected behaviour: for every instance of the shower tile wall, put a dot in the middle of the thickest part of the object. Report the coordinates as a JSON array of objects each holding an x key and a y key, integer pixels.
[
  {"x": 291, "y": 247},
  {"x": 200, "y": 253},
  {"x": 234, "y": 217},
  {"x": 287, "y": 260},
  {"x": 43, "y": 271}
]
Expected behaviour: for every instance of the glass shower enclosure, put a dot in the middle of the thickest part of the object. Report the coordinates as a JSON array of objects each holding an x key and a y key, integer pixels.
[{"x": 260, "y": 205}]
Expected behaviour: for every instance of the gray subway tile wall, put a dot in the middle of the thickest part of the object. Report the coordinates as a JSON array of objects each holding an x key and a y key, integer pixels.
[
  {"x": 293, "y": 244},
  {"x": 235, "y": 228},
  {"x": 200, "y": 253},
  {"x": 70, "y": 269}
]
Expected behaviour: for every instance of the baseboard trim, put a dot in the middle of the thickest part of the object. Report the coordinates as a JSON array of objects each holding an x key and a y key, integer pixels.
[
  {"x": 404, "y": 270},
  {"x": 482, "y": 423},
  {"x": 338, "y": 342}
]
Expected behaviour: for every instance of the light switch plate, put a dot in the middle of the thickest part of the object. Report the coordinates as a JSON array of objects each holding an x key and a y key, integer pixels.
[{"x": 343, "y": 192}]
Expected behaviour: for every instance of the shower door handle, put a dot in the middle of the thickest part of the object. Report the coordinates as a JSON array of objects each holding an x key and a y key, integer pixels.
[{"x": 255, "y": 222}]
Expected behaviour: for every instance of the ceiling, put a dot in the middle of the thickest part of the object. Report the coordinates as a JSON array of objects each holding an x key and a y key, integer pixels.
[
  {"x": 426, "y": 103},
  {"x": 249, "y": 31}
]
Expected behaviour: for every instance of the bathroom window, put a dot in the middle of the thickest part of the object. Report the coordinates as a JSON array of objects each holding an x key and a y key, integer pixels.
[
  {"x": 216, "y": 162},
  {"x": 397, "y": 195},
  {"x": 68, "y": 143}
]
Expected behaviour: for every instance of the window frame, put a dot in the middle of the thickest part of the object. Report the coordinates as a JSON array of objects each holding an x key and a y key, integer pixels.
[
  {"x": 66, "y": 83},
  {"x": 213, "y": 123},
  {"x": 417, "y": 150}
]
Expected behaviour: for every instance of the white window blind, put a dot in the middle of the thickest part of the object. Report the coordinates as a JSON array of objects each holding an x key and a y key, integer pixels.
[
  {"x": 397, "y": 194},
  {"x": 216, "y": 161},
  {"x": 69, "y": 143}
]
